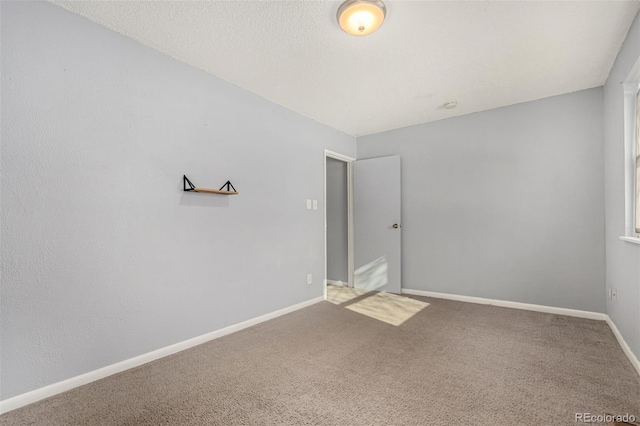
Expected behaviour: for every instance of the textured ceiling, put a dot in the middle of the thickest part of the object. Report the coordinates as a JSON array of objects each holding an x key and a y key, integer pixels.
[{"x": 483, "y": 54}]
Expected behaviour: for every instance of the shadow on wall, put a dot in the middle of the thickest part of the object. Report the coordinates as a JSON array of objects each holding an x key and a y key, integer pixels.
[{"x": 203, "y": 200}]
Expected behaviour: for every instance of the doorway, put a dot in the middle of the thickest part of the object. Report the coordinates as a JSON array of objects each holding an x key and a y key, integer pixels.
[
  {"x": 338, "y": 202},
  {"x": 368, "y": 190}
]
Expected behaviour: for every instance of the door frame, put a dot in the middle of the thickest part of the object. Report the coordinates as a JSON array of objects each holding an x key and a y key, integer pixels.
[{"x": 350, "y": 259}]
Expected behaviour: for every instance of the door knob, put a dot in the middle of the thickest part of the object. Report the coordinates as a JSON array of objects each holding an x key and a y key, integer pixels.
[{"x": 396, "y": 226}]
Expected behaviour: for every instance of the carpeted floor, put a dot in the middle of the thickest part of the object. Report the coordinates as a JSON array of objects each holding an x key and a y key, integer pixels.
[{"x": 355, "y": 360}]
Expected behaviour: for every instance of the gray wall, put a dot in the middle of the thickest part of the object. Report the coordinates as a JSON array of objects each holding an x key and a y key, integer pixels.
[
  {"x": 337, "y": 221},
  {"x": 623, "y": 258},
  {"x": 505, "y": 204},
  {"x": 104, "y": 257}
]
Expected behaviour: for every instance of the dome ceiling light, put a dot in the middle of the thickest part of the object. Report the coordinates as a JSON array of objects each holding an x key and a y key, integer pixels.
[{"x": 361, "y": 17}]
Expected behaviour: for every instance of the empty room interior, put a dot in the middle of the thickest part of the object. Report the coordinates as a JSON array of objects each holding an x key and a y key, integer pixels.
[{"x": 361, "y": 212}]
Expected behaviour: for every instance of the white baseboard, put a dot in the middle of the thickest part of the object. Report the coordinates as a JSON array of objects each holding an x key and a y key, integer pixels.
[
  {"x": 623, "y": 344},
  {"x": 65, "y": 385},
  {"x": 507, "y": 304},
  {"x": 537, "y": 308},
  {"x": 83, "y": 379}
]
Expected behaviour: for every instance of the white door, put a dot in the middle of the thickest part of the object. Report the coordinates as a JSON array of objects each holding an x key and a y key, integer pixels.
[{"x": 376, "y": 218}]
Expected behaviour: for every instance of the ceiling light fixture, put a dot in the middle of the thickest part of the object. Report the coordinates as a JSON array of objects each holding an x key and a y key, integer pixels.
[
  {"x": 361, "y": 17},
  {"x": 450, "y": 105}
]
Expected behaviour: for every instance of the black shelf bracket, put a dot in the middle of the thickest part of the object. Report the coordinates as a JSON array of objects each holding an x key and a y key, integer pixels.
[
  {"x": 187, "y": 185},
  {"x": 227, "y": 184},
  {"x": 185, "y": 182}
]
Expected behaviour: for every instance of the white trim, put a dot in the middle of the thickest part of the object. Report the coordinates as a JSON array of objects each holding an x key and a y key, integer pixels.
[
  {"x": 350, "y": 258},
  {"x": 634, "y": 240},
  {"x": 630, "y": 88},
  {"x": 350, "y": 228},
  {"x": 623, "y": 344},
  {"x": 537, "y": 308},
  {"x": 338, "y": 156},
  {"x": 507, "y": 304},
  {"x": 65, "y": 385},
  {"x": 83, "y": 379}
]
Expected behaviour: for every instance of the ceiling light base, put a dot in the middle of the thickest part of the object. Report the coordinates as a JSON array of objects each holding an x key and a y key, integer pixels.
[{"x": 361, "y": 17}]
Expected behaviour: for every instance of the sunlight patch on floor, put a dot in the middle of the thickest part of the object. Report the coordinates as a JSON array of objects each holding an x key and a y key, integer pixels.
[
  {"x": 389, "y": 308},
  {"x": 386, "y": 307},
  {"x": 341, "y": 294}
]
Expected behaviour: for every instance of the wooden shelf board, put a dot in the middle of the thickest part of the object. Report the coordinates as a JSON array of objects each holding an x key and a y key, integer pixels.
[{"x": 214, "y": 191}]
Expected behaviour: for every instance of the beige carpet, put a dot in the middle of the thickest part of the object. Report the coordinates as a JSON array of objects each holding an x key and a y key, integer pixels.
[{"x": 446, "y": 363}]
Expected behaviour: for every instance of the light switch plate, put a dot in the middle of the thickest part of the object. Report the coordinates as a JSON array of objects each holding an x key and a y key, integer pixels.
[
  {"x": 315, "y": 204},
  {"x": 308, "y": 204}
]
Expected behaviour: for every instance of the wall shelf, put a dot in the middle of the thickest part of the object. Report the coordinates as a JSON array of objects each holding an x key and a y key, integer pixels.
[{"x": 188, "y": 186}]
